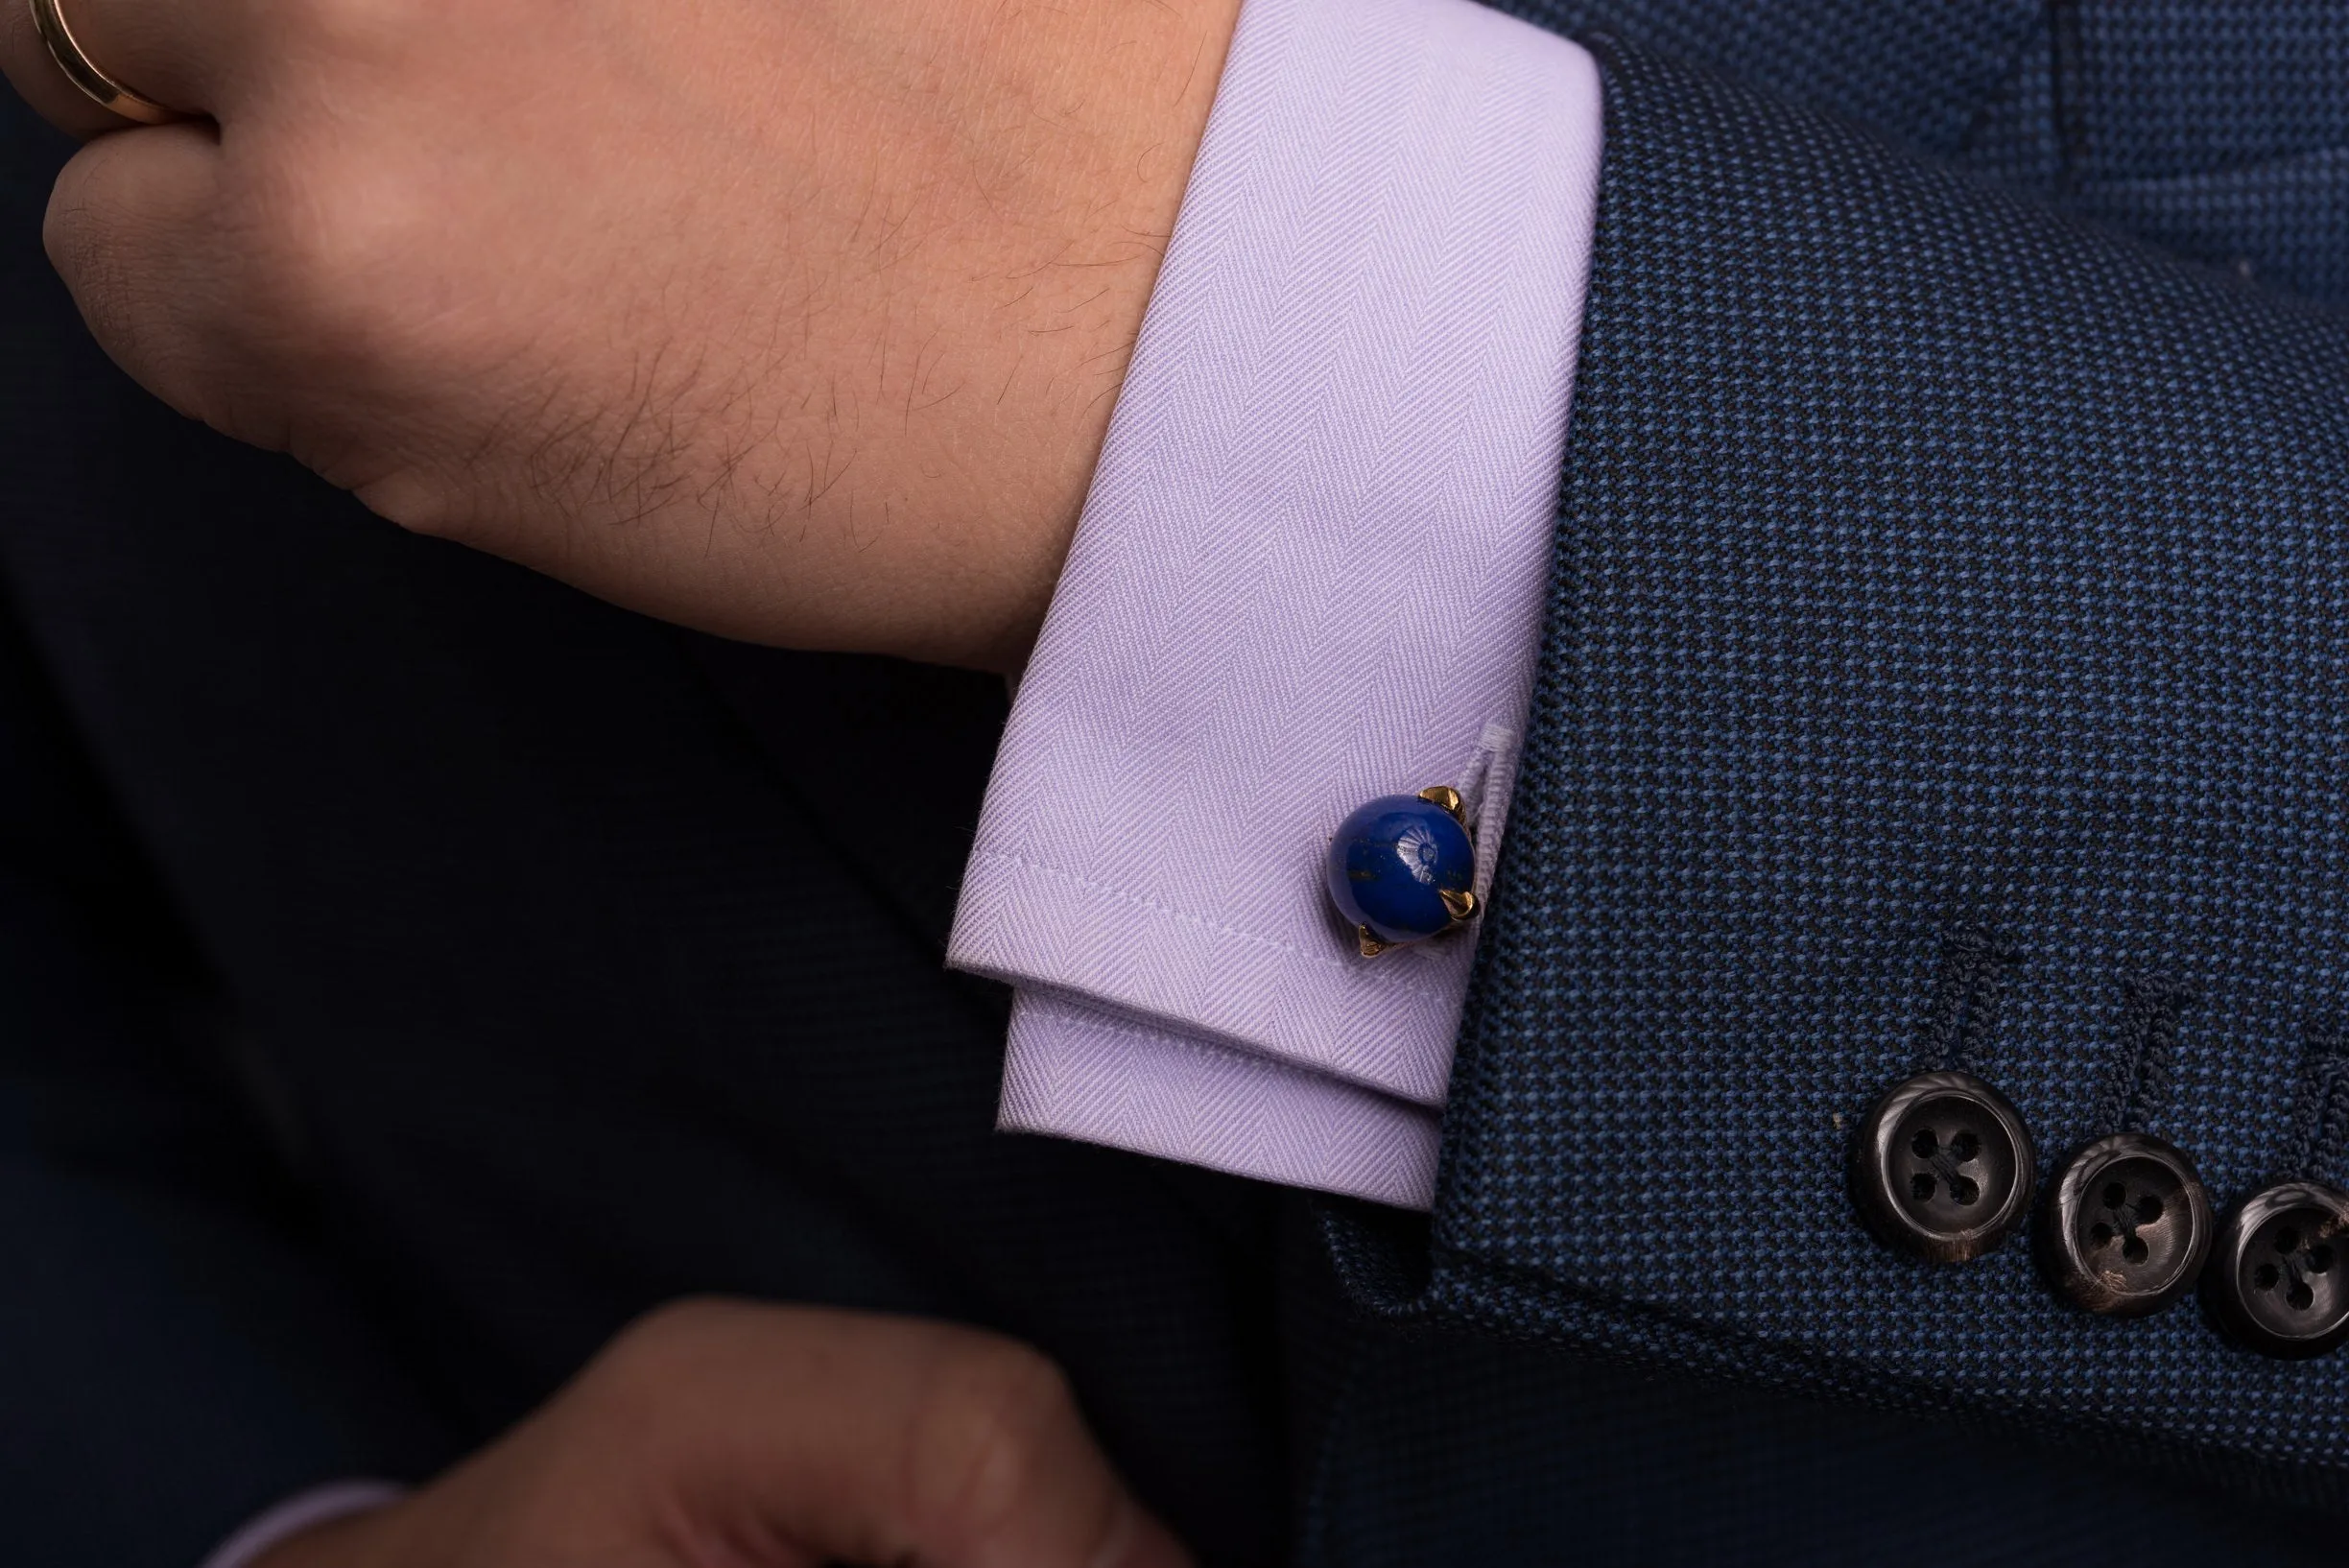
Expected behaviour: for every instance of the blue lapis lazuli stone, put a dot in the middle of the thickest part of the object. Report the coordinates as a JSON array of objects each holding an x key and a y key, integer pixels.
[{"x": 1391, "y": 862}]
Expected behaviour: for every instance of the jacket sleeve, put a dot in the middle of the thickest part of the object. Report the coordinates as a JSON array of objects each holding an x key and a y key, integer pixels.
[
  {"x": 176, "y": 1352},
  {"x": 1928, "y": 563}
]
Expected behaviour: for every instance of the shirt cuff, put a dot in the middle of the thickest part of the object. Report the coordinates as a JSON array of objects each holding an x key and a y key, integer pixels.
[
  {"x": 303, "y": 1511},
  {"x": 1310, "y": 570},
  {"x": 1074, "y": 1071}
]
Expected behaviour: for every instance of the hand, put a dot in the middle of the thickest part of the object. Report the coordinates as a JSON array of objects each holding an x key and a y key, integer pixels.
[
  {"x": 723, "y": 1435},
  {"x": 795, "y": 321}
]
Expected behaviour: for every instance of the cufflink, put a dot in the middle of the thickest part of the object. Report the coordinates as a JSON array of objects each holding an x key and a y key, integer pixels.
[{"x": 1400, "y": 869}]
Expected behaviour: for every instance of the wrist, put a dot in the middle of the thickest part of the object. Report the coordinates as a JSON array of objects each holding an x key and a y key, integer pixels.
[{"x": 1081, "y": 298}]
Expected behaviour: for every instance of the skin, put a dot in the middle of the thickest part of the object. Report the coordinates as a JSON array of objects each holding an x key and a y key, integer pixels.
[
  {"x": 728, "y": 1434},
  {"x": 796, "y": 323}
]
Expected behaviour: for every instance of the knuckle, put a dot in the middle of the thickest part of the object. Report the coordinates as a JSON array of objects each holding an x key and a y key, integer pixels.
[
  {"x": 668, "y": 1335},
  {"x": 345, "y": 28},
  {"x": 334, "y": 248},
  {"x": 643, "y": 1393},
  {"x": 647, "y": 1362},
  {"x": 990, "y": 1421},
  {"x": 412, "y": 499}
]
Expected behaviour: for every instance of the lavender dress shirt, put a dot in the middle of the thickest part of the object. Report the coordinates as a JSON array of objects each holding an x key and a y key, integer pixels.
[{"x": 1309, "y": 571}]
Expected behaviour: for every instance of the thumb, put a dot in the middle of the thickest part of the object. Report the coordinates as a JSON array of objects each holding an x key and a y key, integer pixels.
[{"x": 863, "y": 1438}]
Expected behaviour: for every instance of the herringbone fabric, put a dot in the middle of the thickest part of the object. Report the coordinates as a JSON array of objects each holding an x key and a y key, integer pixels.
[
  {"x": 1928, "y": 563},
  {"x": 1310, "y": 573}
]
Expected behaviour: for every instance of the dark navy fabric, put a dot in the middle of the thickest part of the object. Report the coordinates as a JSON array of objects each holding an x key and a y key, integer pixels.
[
  {"x": 410, "y": 969},
  {"x": 1919, "y": 72},
  {"x": 1458, "y": 1449},
  {"x": 2219, "y": 129},
  {"x": 1930, "y": 564}
]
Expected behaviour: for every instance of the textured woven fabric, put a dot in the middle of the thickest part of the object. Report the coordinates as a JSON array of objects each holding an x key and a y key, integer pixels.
[
  {"x": 1918, "y": 70},
  {"x": 2196, "y": 86},
  {"x": 1310, "y": 572},
  {"x": 1458, "y": 1449},
  {"x": 2214, "y": 127},
  {"x": 593, "y": 989},
  {"x": 411, "y": 969},
  {"x": 2218, "y": 129},
  {"x": 2284, "y": 223},
  {"x": 1928, "y": 563},
  {"x": 1075, "y": 1072}
]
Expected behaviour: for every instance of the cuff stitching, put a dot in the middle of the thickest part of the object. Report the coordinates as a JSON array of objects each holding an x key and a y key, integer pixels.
[
  {"x": 1210, "y": 1047},
  {"x": 1383, "y": 982}
]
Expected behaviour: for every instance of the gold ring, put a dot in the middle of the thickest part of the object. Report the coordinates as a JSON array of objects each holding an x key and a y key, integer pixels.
[{"x": 82, "y": 72}]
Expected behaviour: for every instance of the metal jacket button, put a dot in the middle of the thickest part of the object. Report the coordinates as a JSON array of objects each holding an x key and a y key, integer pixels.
[
  {"x": 1941, "y": 1167},
  {"x": 2128, "y": 1227},
  {"x": 2279, "y": 1276}
]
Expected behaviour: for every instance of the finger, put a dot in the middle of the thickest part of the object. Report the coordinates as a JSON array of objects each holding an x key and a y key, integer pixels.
[
  {"x": 125, "y": 230},
  {"x": 171, "y": 52},
  {"x": 26, "y": 62},
  {"x": 872, "y": 1438}
]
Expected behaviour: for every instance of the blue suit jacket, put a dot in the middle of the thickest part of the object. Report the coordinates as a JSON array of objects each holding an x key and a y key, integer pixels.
[
  {"x": 410, "y": 969},
  {"x": 1932, "y": 562}
]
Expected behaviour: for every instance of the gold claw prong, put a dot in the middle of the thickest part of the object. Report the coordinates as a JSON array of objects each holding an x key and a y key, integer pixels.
[
  {"x": 1372, "y": 946},
  {"x": 1447, "y": 799},
  {"x": 1461, "y": 905}
]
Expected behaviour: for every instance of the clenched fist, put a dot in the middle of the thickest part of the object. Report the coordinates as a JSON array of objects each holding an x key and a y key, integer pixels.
[
  {"x": 797, "y": 321},
  {"x": 728, "y": 1435}
]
